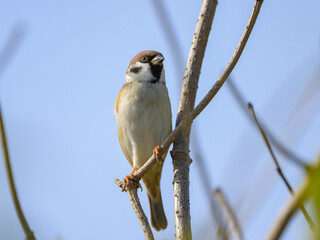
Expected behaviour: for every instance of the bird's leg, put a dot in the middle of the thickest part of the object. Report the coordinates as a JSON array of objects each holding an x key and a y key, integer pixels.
[
  {"x": 157, "y": 153},
  {"x": 132, "y": 172},
  {"x": 132, "y": 178}
]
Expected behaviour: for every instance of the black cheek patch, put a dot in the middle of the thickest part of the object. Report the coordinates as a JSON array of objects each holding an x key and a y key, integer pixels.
[{"x": 135, "y": 69}]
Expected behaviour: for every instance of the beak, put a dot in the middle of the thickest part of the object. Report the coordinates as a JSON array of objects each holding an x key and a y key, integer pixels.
[{"x": 157, "y": 60}]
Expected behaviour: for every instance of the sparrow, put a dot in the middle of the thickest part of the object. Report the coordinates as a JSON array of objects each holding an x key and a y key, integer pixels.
[{"x": 143, "y": 114}]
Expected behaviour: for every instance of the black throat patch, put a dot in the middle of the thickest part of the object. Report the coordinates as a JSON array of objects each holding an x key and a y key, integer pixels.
[{"x": 156, "y": 72}]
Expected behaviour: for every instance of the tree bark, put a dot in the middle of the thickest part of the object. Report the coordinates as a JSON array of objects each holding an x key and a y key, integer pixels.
[{"x": 180, "y": 152}]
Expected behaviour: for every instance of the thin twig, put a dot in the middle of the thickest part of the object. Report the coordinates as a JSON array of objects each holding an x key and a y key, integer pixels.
[
  {"x": 11, "y": 46},
  {"x": 278, "y": 146},
  {"x": 131, "y": 189},
  {"x": 266, "y": 141},
  {"x": 230, "y": 215},
  {"x": 276, "y": 143},
  {"x": 22, "y": 219},
  {"x": 286, "y": 214},
  {"x": 233, "y": 61}
]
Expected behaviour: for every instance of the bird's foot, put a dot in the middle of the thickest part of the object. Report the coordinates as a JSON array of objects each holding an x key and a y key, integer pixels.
[
  {"x": 131, "y": 179},
  {"x": 157, "y": 153}
]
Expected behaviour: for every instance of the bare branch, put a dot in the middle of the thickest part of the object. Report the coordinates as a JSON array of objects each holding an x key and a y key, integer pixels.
[
  {"x": 180, "y": 151},
  {"x": 287, "y": 213},
  {"x": 265, "y": 139},
  {"x": 276, "y": 143},
  {"x": 22, "y": 219},
  {"x": 6, "y": 55},
  {"x": 233, "y": 61},
  {"x": 176, "y": 50},
  {"x": 131, "y": 189},
  {"x": 230, "y": 216}
]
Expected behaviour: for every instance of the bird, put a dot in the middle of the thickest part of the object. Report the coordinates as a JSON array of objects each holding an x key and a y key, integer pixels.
[{"x": 143, "y": 113}]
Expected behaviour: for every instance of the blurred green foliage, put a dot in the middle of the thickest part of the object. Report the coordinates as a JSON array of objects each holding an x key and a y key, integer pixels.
[{"x": 314, "y": 193}]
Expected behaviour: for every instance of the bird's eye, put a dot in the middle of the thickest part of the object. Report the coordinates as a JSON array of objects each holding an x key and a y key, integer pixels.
[{"x": 144, "y": 59}]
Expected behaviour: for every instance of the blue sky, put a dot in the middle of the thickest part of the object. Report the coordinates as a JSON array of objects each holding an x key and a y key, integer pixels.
[{"x": 57, "y": 95}]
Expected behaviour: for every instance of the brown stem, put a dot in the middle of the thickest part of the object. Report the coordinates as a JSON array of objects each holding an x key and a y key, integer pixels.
[
  {"x": 131, "y": 189},
  {"x": 273, "y": 140},
  {"x": 180, "y": 151},
  {"x": 22, "y": 219},
  {"x": 176, "y": 50},
  {"x": 312, "y": 225},
  {"x": 286, "y": 214}
]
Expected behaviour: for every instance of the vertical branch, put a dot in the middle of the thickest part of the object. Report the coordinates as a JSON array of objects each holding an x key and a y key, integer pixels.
[
  {"x": 22, "y": 219},
  {"x": 176, "y": 50},
  {"x": 181, "y": 145},
  {"x": 180, "y": 152}
]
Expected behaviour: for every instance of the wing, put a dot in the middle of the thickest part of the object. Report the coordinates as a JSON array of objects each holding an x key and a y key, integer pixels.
[{"x": 121, "y": 132}]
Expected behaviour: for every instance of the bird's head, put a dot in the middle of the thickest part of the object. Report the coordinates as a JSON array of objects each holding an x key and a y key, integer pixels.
[{"x": 146, "y": 67}]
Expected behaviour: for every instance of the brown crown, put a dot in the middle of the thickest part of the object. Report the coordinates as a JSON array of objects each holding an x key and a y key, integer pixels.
[{"x": 147, "y": 53}]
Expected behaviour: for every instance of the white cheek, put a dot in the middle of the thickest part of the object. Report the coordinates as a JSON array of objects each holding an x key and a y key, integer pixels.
[{"x": 143, "y": 75}]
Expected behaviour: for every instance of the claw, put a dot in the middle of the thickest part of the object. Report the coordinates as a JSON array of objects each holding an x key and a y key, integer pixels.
[
  {"x": 132, "y": 179},
  {"x": 157, "y": 152}
]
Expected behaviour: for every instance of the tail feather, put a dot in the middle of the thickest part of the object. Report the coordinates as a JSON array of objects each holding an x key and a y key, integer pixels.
[{"x": 158, "y": 217}]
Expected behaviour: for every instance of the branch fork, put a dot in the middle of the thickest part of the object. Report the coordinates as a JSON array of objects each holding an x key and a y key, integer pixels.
[{"x": 133, "y": 183}]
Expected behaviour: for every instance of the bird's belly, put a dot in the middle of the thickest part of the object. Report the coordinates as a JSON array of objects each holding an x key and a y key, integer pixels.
[{"x": 144, "y": 126}]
